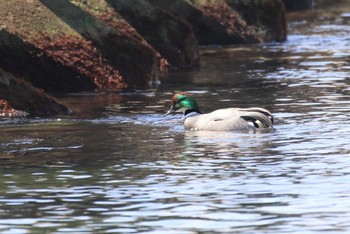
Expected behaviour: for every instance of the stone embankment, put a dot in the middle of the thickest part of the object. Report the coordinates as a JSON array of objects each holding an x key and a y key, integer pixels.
[{"x": 49, "y": 47}]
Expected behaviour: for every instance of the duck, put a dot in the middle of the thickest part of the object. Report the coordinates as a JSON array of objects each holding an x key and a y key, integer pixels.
[{"x": 227, "y": 119}]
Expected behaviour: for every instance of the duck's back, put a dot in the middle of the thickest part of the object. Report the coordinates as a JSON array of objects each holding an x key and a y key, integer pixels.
[{"x": 230, "y": 119}]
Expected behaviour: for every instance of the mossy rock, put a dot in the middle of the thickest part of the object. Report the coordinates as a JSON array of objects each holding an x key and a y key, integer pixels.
[
  {"x": 172, "y": 37},
  {"x": 230, "y": 22},
  {"x": 268, "y": 16},
  {"x": 21, "y": 95},
  {"x": 64, "y": 45}
]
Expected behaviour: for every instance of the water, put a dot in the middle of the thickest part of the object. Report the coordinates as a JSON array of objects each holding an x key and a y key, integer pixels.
[{"x": 118, "y": 166}]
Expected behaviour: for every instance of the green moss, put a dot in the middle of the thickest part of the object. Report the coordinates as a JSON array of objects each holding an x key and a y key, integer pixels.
[{"x": 32, "y": 21}]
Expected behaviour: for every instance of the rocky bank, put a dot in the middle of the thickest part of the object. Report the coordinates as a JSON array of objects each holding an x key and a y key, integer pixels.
[{"x": 83, "y": 45}]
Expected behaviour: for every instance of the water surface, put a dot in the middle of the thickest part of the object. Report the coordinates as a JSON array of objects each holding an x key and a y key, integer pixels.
[{"x": 118, "y": 166}]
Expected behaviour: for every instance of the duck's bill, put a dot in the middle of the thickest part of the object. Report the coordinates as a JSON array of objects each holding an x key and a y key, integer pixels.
[{"x": 170, "y": 111}]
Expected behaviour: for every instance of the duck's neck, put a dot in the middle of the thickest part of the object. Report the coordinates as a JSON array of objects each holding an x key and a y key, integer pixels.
[{"x": 191, "y": 112}]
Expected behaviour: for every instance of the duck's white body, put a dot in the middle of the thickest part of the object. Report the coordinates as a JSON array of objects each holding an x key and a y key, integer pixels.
[
  {"x": 229, "y": 119},
  {"x": 220, "y": 120}
]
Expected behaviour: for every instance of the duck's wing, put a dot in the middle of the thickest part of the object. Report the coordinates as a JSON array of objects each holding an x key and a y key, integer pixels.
[
  {"x": 216, "y": 120},
  {"x": 219, "y": 120}
]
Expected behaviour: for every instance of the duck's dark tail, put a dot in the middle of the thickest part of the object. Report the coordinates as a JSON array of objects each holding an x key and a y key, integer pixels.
[{"x": 259, "y": 117}]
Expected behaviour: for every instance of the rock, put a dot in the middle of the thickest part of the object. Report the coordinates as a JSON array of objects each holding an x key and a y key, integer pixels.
[
  {"x": 104, "y": 12},
  {"x": 295, "y": 5},
  {"x": 67, "y": 49},
  {"x": 298, "y": 4},
  {"x": 171, "y": 36},
  {"x": 79, "y": 45},
  {"x": 230, "y": 21},
  {"x": 21, "y": 95},
  {"x": 44, "y": 63},
  {"x": 267, "y": 16}
]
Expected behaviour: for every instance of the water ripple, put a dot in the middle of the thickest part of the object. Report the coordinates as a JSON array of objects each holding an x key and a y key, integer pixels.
[{"x": 119, "y": 166}]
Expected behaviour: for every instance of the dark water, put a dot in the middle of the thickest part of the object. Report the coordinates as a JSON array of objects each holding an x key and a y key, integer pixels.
[{"x": 118, "y": 166}]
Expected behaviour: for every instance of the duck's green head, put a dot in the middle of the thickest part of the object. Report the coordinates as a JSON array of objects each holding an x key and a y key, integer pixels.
[{"x": 182, "y": 101}]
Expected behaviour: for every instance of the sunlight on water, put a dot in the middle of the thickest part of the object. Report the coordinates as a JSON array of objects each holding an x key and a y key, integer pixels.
[{"x": 119, "y": 166}]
